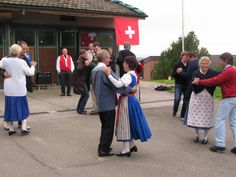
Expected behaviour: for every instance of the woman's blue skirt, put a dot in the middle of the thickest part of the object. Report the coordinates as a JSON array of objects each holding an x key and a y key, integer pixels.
[
  {"x": 138, "y": 124},
  {"x": 16, "y": 108}
]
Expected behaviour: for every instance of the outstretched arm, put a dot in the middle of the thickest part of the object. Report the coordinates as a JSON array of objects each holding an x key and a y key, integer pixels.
[{"x": 120, "y": 82}]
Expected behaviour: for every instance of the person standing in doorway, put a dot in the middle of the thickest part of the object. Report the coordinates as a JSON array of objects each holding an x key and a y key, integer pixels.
[{"x": 65, "y": 67}]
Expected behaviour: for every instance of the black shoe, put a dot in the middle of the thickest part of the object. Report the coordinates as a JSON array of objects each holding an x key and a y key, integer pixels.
[
  {"x": 127, "y": 154},
  {"x": 134, "y": 149},
  {"x": 62, "y": 94},
  {"x": 110, "y": 149},
  {"x": 196, "y": 139},
  {"x": 204, "y": 141},
  {"x": 233, "y": 150},
  {"x": 11, "y": 132},
  {"x": 68, "y": 94},
  {"x": 217, "y": 149},
  {"x": 82, "y": 112},
  {"x": 25, "y": 132},
  {"x": 93, "y": 112},
  {"x": 174, "y": 114},
  {"x": 105, "y": 154}
]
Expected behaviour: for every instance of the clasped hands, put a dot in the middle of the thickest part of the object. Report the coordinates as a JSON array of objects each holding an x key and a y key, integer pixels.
[{"x": 195, "y": 81}]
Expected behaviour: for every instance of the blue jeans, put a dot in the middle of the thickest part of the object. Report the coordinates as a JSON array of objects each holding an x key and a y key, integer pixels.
[
  {"x": 227, "y": 109},
  {"x": 83, "y": 99},
  {"x": 179, "y": 90}
]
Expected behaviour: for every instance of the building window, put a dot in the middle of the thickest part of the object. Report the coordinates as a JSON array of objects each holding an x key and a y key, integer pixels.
[
  {"x": 46, "y": 38},
  {"x": 106, "y": 39},
  {"x": 1, "y": 37},
  {"x": 87, "y": 37},
  {"x": 25, "y": 35},
  {"x": 67, "y": 39}
]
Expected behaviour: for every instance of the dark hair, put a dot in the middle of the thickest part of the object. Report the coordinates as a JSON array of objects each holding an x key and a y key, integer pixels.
[
  {"x": 227, "y": 57},
  {"x": 96, "y": 44},
  {"x": 127, "y": 45},
  {"x": 192, "y": 55},
  {"x": 82, "y": 52},
  {"x": 22, "y": 42},
  {"x": 131, "y": 61},
  {"x": 184, "y": 53}
]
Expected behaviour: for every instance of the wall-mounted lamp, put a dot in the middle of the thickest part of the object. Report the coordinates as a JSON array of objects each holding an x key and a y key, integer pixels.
[{"x": 23, "y": 11}]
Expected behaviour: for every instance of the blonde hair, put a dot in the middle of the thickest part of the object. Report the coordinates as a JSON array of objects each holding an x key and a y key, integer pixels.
[
  {"x": 205, "y": 58},
  {"x": 15, "y": 50}
]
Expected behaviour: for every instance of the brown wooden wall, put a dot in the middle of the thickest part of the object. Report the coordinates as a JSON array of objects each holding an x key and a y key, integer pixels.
[
  {"x": 47, "y": 61},
  {"x": 32, "y": 52}
]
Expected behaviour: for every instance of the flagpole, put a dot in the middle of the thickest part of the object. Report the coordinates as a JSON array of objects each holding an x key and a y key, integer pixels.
[{"x": 182, "y": 25}]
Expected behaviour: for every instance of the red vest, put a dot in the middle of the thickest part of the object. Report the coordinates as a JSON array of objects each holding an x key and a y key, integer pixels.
[{"x": 63, "y": 63}]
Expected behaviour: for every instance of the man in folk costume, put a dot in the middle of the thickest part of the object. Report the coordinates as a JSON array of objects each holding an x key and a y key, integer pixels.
[{"x": 65, "y": 67}]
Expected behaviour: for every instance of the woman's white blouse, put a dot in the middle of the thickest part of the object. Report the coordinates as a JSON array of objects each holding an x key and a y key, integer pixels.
[
  {"x": 16, "y": 84},
  {"x": 125, "y": 80}
]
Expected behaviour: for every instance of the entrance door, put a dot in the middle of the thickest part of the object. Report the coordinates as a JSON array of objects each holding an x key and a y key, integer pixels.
[{"x": 68, "y": 40}]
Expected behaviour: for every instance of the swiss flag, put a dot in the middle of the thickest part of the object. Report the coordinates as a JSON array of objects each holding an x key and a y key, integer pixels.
[
  {"x": 126, "y": 30},
  {"x": 87, "y": 38}
]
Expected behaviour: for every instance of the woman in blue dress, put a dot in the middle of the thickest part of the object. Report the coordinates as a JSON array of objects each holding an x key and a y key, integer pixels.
[
  {"x": 131, "y": 123},
  {"x": 16, "y": 104}
]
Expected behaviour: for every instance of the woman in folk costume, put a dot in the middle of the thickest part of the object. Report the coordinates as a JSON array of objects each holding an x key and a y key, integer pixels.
[
  {"x": 201, "y": 106},
  {"x": 131, "y": 123},
  {"x": 16, "y": 104}
]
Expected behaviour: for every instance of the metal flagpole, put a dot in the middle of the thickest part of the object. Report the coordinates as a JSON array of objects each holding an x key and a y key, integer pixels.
[{"x": 182, "y": 25}]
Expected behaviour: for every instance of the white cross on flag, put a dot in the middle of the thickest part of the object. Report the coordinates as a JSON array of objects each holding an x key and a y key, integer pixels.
[{"x": 126, "y": 30}]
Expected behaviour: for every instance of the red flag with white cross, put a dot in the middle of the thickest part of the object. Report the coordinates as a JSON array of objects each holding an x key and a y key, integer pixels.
[
  {"x": 87, "y": 38},
  {"x": 126, "y": 30}
]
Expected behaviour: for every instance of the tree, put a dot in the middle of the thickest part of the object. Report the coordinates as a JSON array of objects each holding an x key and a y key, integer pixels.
[{"x": 169, "y": 57}]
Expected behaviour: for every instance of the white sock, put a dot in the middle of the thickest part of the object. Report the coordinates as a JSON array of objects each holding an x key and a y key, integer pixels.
[
  {"x": 131, "y": 144},
  {"x": 206, "y": 134},
  {"x": 11, "y": 127},
  {"x": 126, "y": 147},
  {"x": 23, "y": 127},
  {"x": 197, "y": 132}
]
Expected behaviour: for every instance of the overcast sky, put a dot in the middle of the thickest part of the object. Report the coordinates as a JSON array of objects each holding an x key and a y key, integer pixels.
[{"x": 213, "y": 21}]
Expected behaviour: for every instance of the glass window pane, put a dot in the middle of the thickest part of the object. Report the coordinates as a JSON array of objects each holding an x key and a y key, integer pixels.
[
  {"x": 1, "y": 37},
  {"x": 87, "y": 37},
  {"x": 47, "y": 38},
  {"x": 67, "y": 39},
  {"x": 25, "y": 35},
  {"x": 106, "y": 39}
]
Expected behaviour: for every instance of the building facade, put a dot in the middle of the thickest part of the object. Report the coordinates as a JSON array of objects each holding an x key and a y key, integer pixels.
[
  {"x": 149, "y": 64},
  {"x": 50, "y": 25}
]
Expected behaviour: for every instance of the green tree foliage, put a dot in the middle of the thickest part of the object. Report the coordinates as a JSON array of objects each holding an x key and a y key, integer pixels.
[{"x": 170, "y": 56}]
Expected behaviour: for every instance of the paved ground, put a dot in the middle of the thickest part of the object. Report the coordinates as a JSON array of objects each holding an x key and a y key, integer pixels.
[{"x": 63, "y": 143}]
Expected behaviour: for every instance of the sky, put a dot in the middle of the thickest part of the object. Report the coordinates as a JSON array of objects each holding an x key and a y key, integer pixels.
[{"x": 213, "y": 21}]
